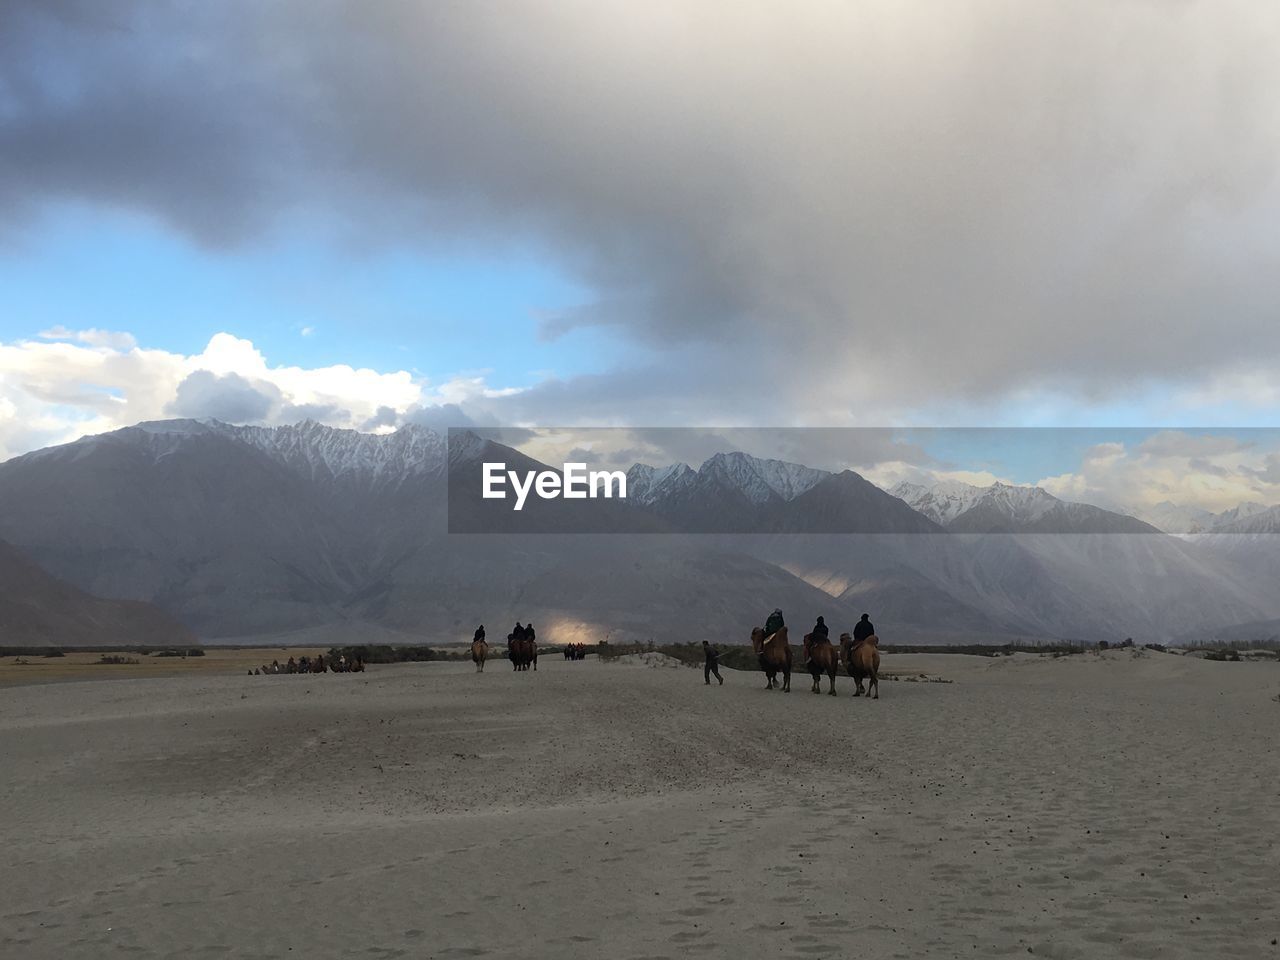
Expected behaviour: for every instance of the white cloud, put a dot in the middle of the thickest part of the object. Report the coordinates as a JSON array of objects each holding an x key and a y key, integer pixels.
[
  {"x": 68, "y": 384},
  {"x": 1213, "y": 472},
  {"x": 109, "y": 339}
]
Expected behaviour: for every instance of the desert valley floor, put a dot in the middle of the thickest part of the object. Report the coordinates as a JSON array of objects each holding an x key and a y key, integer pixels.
[{"x": 1122, "y": 805}]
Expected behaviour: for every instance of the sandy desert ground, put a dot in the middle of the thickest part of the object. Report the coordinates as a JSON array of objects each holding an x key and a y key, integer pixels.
[{"x": 1091, "y": 806}]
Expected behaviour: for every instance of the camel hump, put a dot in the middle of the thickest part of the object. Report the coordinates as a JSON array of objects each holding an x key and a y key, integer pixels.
[{"x": 873, "y": 640}]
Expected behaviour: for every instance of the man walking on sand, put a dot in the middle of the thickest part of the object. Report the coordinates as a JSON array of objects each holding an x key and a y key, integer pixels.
[{"x": 712, "y": 664}]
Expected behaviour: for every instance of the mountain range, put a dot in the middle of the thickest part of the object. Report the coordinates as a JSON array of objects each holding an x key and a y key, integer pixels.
[
  {"x": 1248, "y": 517},
  {"x": 1003, "y": 508},
  {"x": 309, "y": 532}
]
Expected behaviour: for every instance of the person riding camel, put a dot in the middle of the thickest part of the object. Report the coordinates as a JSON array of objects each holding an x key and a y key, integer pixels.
[
  {"x": 820, "y": 632},
  {"x": 863, "y": 629},
  {"x": 773, "y": 624},
  {"x": 517, "y": 633},
  {"x": 479, "y": 635}
]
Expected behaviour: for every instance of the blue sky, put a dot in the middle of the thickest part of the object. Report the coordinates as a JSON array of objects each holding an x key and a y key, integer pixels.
[{"x": 300, "y": 297}]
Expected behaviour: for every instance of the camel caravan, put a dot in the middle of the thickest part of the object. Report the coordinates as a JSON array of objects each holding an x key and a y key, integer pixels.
[
  {"x": 858, "y": 651},
  {"x": 522, "y": 647}
]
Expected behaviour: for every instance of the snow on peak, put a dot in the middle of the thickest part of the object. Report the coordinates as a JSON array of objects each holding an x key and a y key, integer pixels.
[
  {"x": 944, "y": 501},
  {"x": 319, "y": 452},
  {"x": 646, "y": 484},
  {"x": 761, "y": 480}
]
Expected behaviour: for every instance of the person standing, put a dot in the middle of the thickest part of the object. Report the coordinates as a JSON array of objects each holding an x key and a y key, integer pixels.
[{"x": 712, "y": 664}]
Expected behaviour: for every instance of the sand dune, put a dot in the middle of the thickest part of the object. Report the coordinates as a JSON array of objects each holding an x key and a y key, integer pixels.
[{"x": 1080, "y": 807}]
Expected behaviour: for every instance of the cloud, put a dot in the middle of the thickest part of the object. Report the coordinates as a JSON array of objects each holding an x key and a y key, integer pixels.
[
  {"x": 228, "y": 397},
  {"x": 1211, "y": 471},
  {"x": 827, "y": 213},
  {"x": 1178, "y": 443},
  {"x": 112, "y": 339},
  {"x": 55, "y": 389}
]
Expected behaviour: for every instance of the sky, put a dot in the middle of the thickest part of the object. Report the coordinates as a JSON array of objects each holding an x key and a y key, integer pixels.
[{"x": 880, "y": 214}]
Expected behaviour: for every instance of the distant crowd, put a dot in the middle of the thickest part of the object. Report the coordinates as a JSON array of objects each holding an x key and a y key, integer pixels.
[{"x": 317, "y": 664}]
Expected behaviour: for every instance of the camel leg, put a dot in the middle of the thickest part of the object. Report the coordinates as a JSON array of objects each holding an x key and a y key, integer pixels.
[
  {"x": 832, "y": 678},
  {"x": 875, "y": 685}
]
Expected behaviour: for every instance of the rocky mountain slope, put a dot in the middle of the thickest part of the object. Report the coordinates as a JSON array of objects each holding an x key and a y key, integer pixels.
[{"x": 37, "y": 609}]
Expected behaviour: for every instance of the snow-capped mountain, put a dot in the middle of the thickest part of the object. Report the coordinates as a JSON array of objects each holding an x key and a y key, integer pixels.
[
  {"x": 1174, "y": 518},
  {"x": 1005, "y": 508},
  {"x": 311, "y": 449},
  {"x": 942, "y": 501},
  {"x": 331, "y": 454},
  {"x": 761, "y": 480},
  {"x": 738, "y": 493},
  {"x": 1248, "y": 518},
  {"x": 647, "y": 485}
]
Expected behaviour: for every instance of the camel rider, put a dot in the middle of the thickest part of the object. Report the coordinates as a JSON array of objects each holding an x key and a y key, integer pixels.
[
  {"x": 479, "y": 633},
  {"x": 516, "y": 634},
  {"x": 819, "y": 633},
  {"x": 529, "y": 634},
  {"x": 863, "y": 629},
  {"x": 773, "y": 624}
]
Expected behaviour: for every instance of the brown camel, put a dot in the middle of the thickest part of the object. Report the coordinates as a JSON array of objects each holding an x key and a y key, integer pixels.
[
  {"x": 479, "y": 653},
  {"x": 862, "y": 660},
  {"x": 524, "y": 653},
  {"x": 774, "y": 654},
  {"x": 823, "y": 658}
]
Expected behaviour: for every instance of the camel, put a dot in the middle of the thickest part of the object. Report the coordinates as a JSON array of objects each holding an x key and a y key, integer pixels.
[
  {"x": 774, "y": 654},
  {"x": 862, "y": 660},
  {"x": 479, "y": 653},
  {"x": 823, "y": 658},
  {"x": 523, "y": 653}
]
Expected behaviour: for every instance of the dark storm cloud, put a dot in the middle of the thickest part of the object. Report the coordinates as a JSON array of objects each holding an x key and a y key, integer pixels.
[
  {"x": 228, "y": 397},
  {"x": 851, "y": 208},
  {"x": 382, "y": 417}
]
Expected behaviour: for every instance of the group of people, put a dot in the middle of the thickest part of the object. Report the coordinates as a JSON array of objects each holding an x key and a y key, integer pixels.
[
  {"x": 518, "y": 632},
  {"x": 317, "y": 664},
  {"x": 775, "y": 622},
  {"x": 575, "y": 651},
  {"x": 861, "y": 630}
]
